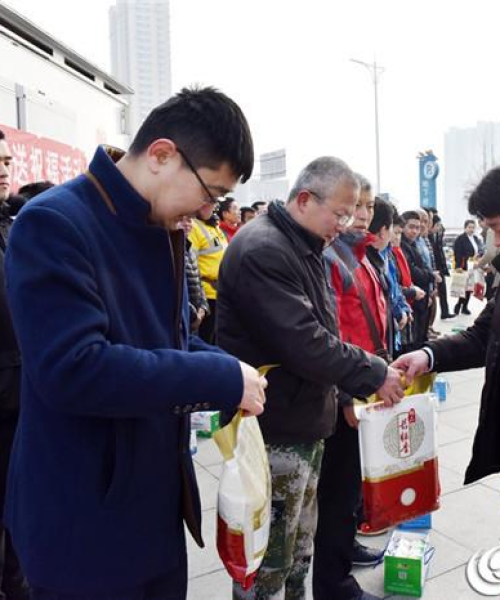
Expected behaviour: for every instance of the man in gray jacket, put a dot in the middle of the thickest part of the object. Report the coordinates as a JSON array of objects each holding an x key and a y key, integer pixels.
[{"x": 275, "y": 309}]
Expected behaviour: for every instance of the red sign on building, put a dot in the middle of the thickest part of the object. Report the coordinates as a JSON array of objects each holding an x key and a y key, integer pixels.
[{"x": 38, "y": 158}]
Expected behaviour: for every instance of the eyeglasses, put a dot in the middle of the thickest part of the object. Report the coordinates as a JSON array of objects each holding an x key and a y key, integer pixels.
[
  {"x": 342, "y": 220},
  {"x": 210, "y": 199}
]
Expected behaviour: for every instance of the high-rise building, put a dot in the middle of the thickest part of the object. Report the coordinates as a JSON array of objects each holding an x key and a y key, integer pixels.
[
  {"x": 469, "y": 153},
  {"x": 140, "y": 53}
]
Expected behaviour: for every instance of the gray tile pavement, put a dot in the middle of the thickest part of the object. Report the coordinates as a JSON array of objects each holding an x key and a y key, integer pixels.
[{"x": 469, "y": 518}]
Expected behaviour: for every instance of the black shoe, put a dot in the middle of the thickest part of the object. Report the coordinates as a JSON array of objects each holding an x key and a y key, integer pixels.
[
  {"x": 368, "y": 596},
  {"x": 456, "y": 310},
  {"x": 448, "y": 316},
  {"x": 362, "y": 556},
  {"x": 466, "y": 311}
]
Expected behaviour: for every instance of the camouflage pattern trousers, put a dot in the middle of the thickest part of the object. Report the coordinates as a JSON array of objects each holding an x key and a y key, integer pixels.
[{"x": 295, "y": 472}]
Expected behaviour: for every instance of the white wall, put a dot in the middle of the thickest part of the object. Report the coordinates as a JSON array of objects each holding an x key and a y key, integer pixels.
[{"x": 61, "y": 105}]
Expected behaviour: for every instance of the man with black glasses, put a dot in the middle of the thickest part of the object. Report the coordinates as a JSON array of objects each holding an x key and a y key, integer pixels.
[{"x": 101, "y": 475}]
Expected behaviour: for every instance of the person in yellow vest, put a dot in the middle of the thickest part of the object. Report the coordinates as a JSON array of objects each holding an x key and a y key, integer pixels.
[{"x": 209, "y": 242}]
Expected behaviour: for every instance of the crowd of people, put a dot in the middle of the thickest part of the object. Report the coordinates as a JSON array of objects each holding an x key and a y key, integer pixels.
[{"x": 141, "y": 292}]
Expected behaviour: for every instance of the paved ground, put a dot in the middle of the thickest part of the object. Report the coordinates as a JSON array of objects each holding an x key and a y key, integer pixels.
[{"x": 467, "y": 521}]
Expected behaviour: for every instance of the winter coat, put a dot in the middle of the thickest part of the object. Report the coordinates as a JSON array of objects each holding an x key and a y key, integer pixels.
[
  {"x": 478, "y": 346},
  {"x": 348, "y": 267},
  {"x": 436, "y": 240},
  {"x": 463, "y": 250},
  {"x": 10, "y": 358},
  {"x": 209, "y": 243},
  {"x": 196, "y": 293},
  {"x": 274, "y": 308},
  {"x": 101, "y": 471},
  {"x": 229, "y": 230}
]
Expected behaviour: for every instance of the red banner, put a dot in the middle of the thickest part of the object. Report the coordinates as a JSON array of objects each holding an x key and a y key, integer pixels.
[{"x": 38, "y": 158}]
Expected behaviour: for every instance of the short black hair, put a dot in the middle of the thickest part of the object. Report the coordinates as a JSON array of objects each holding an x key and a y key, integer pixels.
[
  {"x": 398, "y": 221},
  {"x": 207, "y": 125},
  {"x": 257, "y": 203},
  {"x": 383, "y": 215},
  {"x": 2, "y": 135},
  {"x": 469, "y": 222},
  {"x": 246, "y": 210},
  {"x": 485, "y": 199},
  {"x": 435, "y": 219},
  {"x": 30, "y": 190},
  {"x": 225, "y": 206},
  {"x": 410, "y": 214}
]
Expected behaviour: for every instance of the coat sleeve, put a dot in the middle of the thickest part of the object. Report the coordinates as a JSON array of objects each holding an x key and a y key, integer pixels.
[
  {"x": 421, "y": 276},
  {"x": 467, "y": 349},
  {"x": 269, "y": 295},
  {"x": 61, "y": 322}
]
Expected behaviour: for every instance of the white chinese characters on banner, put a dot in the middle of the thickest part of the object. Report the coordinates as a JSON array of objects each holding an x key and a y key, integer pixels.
[
  {"x": 20, "y": 162},
  {"x": 35, "y": 158}
]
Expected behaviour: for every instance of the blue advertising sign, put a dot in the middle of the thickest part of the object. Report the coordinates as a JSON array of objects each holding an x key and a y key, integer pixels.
[{"x": 429, "y": 170}]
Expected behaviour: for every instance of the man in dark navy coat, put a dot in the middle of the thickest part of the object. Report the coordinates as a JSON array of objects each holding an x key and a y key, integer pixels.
[{"x": 101, "y": 475}]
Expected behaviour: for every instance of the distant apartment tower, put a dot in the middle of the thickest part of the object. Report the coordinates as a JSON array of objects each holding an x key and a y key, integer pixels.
[
  {"x": 469, "y": 154},
  {"x": 140, "y": 53}
]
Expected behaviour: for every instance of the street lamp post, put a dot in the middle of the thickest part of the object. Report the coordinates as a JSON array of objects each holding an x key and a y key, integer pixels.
[{"x": 375, "y": 72}]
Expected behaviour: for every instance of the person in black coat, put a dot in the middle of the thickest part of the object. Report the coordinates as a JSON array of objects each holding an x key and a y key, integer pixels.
[
  {"x": 198, "y": 303},
  {"x": 478, "y": 346},
  {"x": 467, "y": 245},
  {"x": 421, "y": 275},
  {"x": 12, "y": 583},
  {"x": 436, "y": 236}
]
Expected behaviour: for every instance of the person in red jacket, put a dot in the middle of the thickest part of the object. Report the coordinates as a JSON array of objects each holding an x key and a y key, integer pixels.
[
  {"x": 357, "y": 291},
  {"x": 230, "y": 217}
]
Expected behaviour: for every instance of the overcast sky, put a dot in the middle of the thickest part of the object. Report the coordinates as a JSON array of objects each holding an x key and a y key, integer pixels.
[{"x": 286, "y": 62}]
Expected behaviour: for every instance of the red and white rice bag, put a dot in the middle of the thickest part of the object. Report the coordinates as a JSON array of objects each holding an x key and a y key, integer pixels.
[
  {"x": 399, "y": 466},
  {"x": 244, "y": 500}
]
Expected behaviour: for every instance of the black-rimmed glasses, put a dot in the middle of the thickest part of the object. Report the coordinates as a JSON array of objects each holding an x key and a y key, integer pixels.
[{"x": 211, "y": 199}]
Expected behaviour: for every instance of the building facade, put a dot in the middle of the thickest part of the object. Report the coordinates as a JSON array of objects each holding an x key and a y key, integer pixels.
[
  {"x": 55, "y": 106},
  {"x": 140, "y": 53},
  {"x": 469, "y": 153}
]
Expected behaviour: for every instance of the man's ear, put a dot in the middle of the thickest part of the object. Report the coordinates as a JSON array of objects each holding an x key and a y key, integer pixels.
[
  {"x": 159, "y": 153},
  {"x": 302, "y": 199}
]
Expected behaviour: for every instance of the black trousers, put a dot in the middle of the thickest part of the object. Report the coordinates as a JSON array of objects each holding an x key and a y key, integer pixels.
[
  {"x": 463, "y": 302},
  {"x": 339, "y": 493},
  {"x": 207, "y": 327},
  {"x": 12, "y": 583},
  {"x": 443, "y": 297}
]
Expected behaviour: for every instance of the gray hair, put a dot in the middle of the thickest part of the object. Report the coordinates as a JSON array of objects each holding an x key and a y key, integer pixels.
[
  {"x": 322, "y": 176},
  {"x": 364, "y": 184}
]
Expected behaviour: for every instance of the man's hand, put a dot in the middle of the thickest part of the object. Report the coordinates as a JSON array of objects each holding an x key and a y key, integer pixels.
[
  {"x": 419, "y": 293},
  {"x": 200, "y": 315},
  {"x": 403, "y": 321},
  {"x": 413, "y": 363},
  {"x": 254, "y": 397},
  {"x": 350, "y": 416},
  {"x": 392, "y": 390},
  {"x": 437, "y": 277}
]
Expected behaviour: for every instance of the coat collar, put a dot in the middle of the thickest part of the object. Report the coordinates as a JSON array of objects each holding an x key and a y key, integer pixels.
[
  {"x": 305, "y": 241},
  {"x": 130, "y": 206}
]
